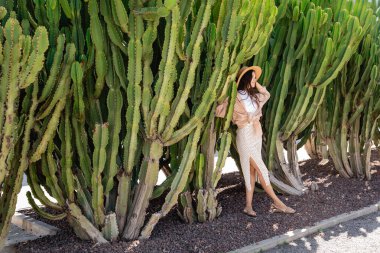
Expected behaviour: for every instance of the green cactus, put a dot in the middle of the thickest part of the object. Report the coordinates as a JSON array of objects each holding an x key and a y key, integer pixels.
[
  {"x": 352, "y": 125},
  {"x": 114, "y": 104},
  {"x": 163, "y": 65},
  {"x": 55, "y": 70},
  {"x": 82, "y": 223},
  {"x": 41, "y": 212},
  {"x": 56, "y": 102},
  {"x": 178, "y": 182},
  {"x": 97, "y": 35},
  {"x": 110, "y": 230},
  {"x": 37, "y": 190},
  {"x": 100, "y": 139},
  {"x": 22, "y": 60}
]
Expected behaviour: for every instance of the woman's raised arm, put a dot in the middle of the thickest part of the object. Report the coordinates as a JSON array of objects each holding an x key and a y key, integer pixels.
[{"x": 264, "y": 93}]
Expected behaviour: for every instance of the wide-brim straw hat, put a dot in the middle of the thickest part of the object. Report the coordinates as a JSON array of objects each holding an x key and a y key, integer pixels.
[{"x": 245, "y": 69}]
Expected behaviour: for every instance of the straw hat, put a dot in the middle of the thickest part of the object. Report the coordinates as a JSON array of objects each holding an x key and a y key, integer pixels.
[{"x": 245, "y": 69}]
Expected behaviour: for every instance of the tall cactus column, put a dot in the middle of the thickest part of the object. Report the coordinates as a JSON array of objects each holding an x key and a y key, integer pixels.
[
  {"x": 200, "y": 109},
  {"x": 22, "y": 59},
  {"x": 159, "y": 110},
  {"x": 136, "y": 215}
]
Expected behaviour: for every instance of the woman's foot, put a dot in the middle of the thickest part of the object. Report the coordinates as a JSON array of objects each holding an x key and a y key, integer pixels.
[
  {"x": 249, "y": 212},
  {"x": 281, "y": 209}
]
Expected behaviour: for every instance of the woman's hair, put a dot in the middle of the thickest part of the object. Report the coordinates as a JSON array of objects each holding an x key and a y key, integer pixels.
[{"x": 245, "y": 85}]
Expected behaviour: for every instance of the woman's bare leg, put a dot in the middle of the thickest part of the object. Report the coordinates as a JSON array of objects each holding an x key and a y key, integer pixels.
[
  {"x": 267, "y": 188},
  {"x": 249, "y": 194}
]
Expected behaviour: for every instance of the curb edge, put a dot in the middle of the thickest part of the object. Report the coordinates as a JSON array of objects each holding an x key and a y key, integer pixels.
[
  {"x": 32, "y": 225},
  {"x": 299, "y": 233}
]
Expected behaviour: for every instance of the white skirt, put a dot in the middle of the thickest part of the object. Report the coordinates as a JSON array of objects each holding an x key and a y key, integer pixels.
[{"x": 249, "y": 145}]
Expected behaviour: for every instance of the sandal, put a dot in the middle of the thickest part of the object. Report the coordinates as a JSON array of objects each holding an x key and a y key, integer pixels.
[
  {"x": 250, "y": 213},
  {"x": 275, "y": 209}
]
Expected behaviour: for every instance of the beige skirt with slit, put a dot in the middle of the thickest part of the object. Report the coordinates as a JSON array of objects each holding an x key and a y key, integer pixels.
[{"x": 249, "y": 145}]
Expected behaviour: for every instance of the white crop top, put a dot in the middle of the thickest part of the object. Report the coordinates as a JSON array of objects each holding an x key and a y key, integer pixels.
[{"x": 250, "y": 105}]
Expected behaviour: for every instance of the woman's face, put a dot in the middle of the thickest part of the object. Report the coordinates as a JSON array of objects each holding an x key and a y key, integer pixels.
[{"x": 253, "y": 80}]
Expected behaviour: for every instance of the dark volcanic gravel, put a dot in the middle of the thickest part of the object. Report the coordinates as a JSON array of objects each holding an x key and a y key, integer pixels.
[{"x": 233, "y": 229}]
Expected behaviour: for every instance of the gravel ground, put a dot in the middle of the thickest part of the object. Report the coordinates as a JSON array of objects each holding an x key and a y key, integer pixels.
[
  {"x": 361, "y": 235},
  {"x": 233, "y": 229}
]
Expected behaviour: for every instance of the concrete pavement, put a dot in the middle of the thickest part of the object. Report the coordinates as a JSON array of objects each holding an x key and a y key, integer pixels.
[{"x": 361, "y": 235}]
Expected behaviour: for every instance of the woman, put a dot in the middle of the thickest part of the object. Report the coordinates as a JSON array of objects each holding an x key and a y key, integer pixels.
[{"x": 251, "y": 97}]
